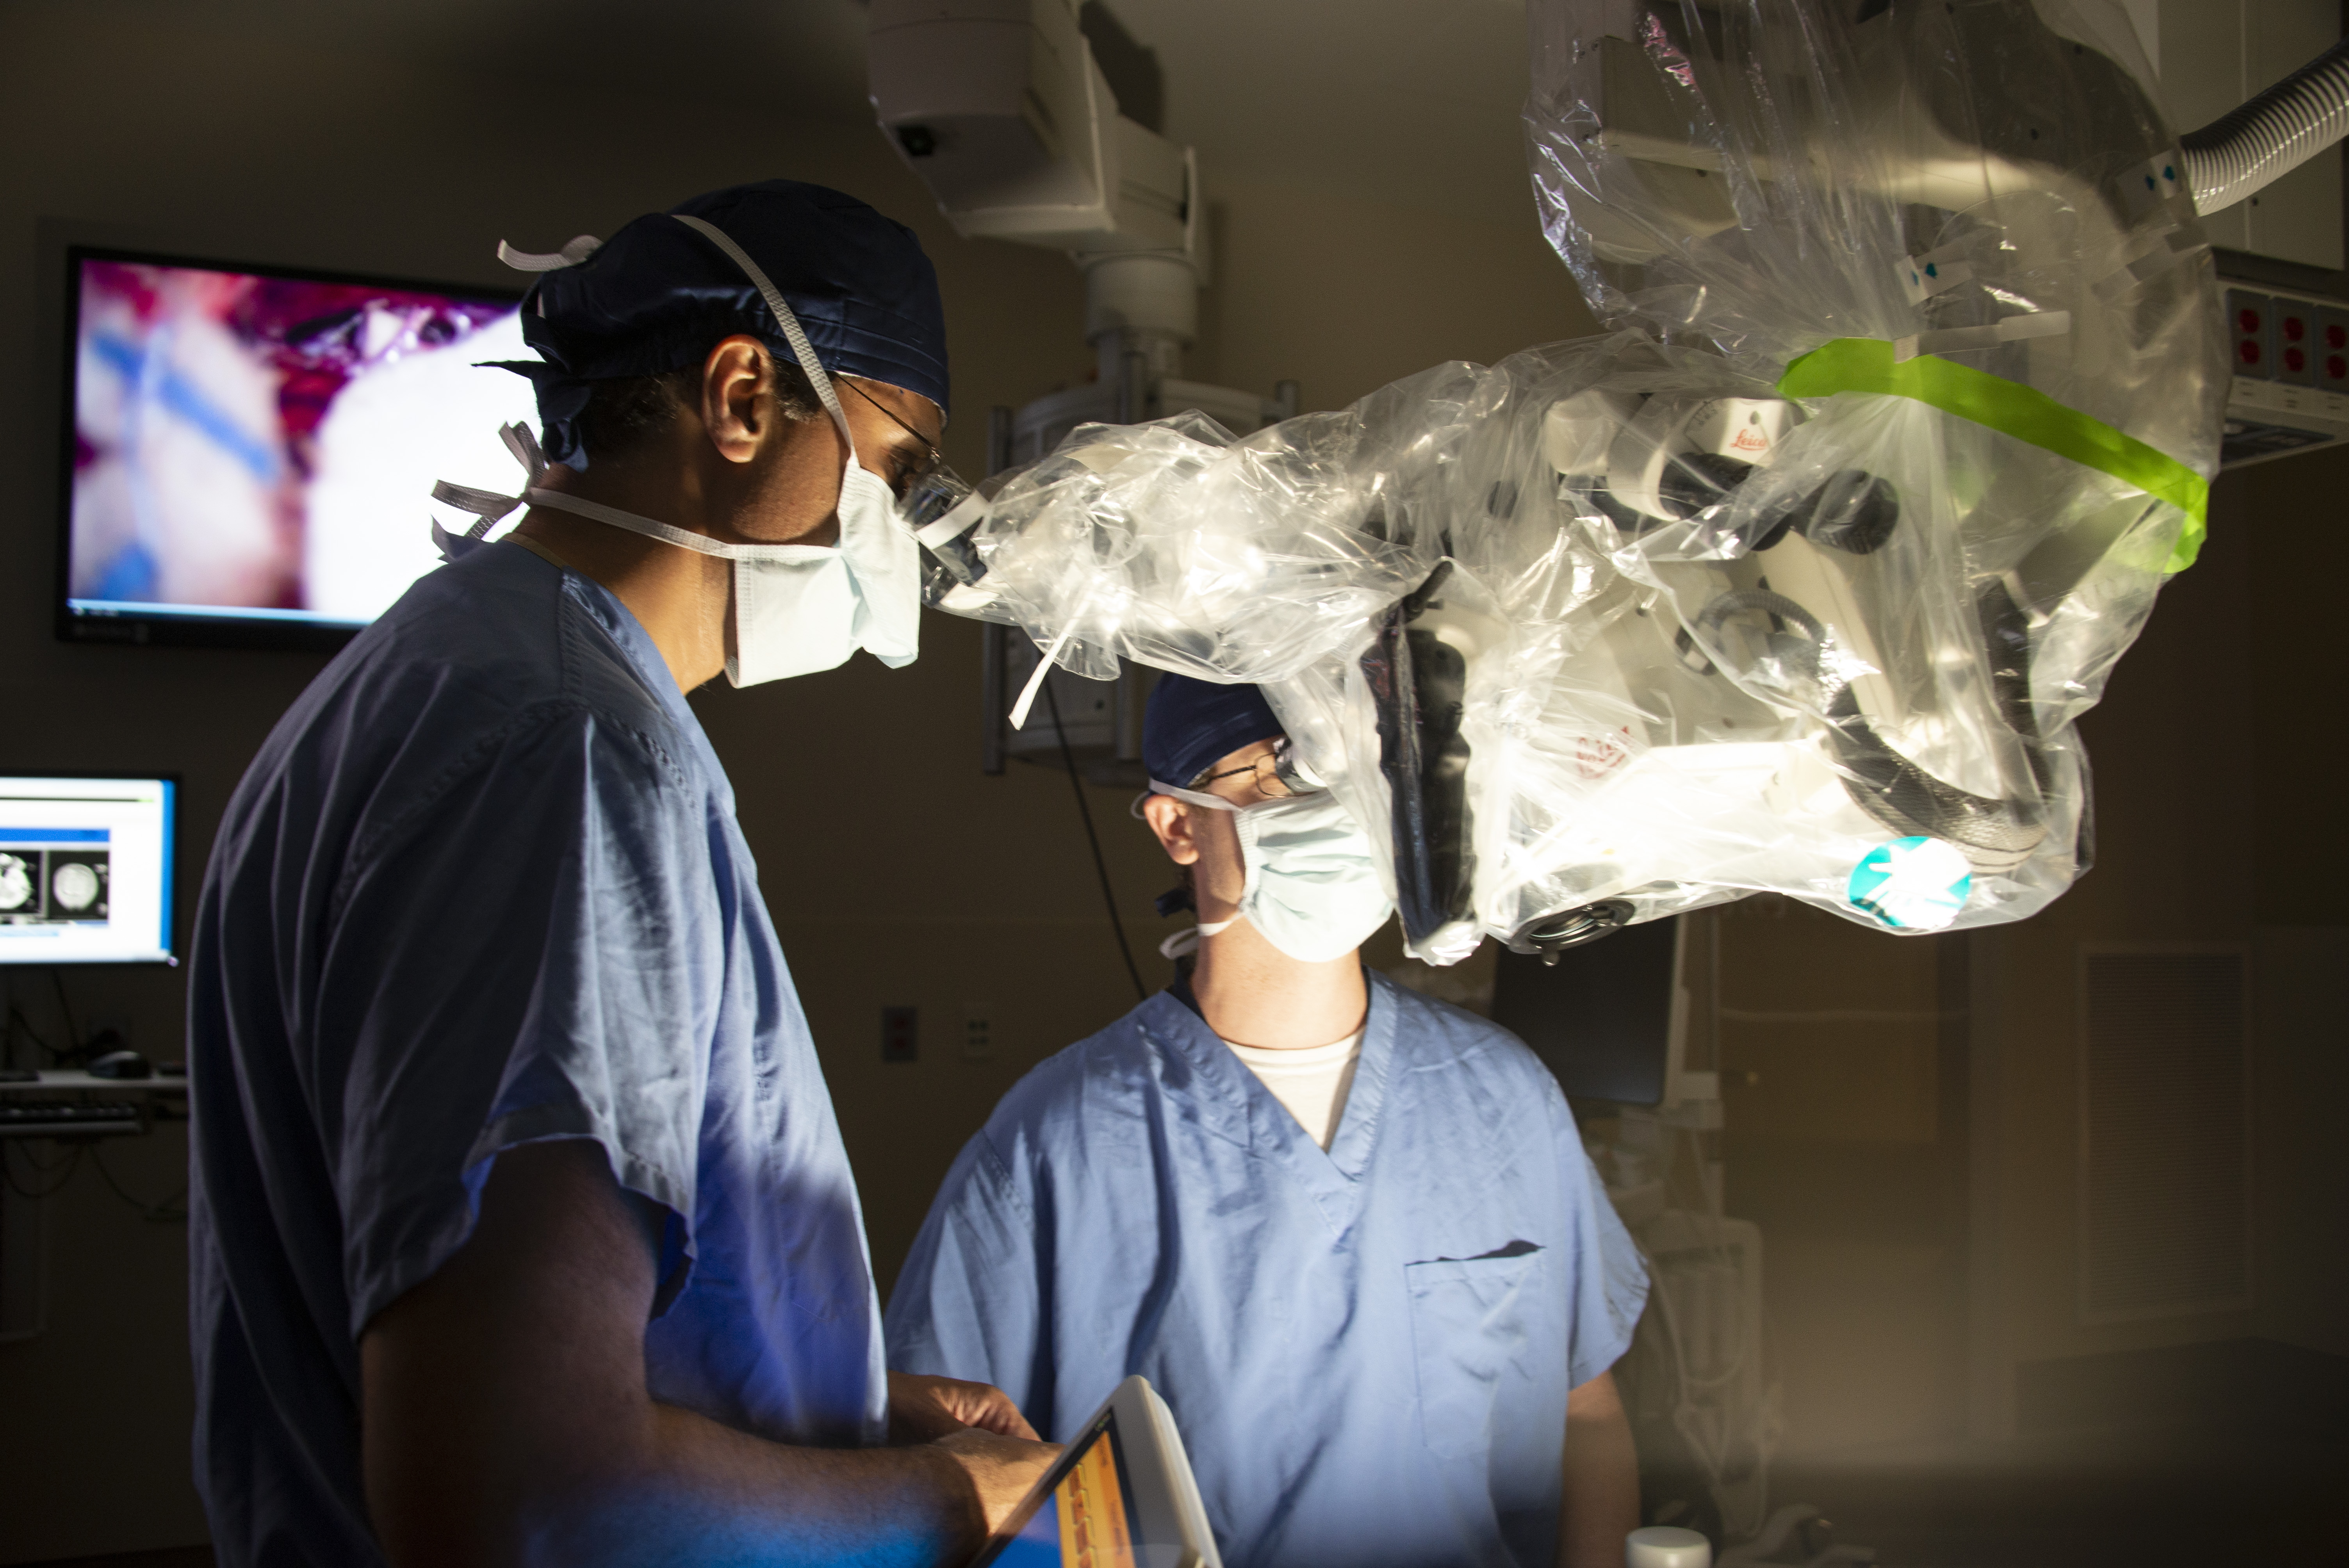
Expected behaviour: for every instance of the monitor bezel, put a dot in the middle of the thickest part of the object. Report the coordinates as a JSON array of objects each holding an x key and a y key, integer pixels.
[
  {"x": 160, "y": 630},
  {"x": 1519, "y": 977},
  {"x": 173, "y": 839}
]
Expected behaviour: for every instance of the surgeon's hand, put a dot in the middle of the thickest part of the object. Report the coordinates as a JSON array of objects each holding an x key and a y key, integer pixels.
[
  {"x": 1002, "y": 1470},
  {"x": 922, "y": 1408}
]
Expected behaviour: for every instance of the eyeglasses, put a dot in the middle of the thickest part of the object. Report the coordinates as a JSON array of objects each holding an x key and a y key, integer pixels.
[
  {"x": 1279, "y": 774},
  {"x": 927, "y": 490}
]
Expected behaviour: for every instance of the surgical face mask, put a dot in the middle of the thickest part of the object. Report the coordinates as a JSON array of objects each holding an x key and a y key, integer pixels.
[
  {"x": 798, "y": 608},
  {"x": 1312, "y": 887}
]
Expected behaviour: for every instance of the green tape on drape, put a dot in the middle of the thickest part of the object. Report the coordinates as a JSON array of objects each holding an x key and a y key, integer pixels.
[{"x": 1864, "y": 364}]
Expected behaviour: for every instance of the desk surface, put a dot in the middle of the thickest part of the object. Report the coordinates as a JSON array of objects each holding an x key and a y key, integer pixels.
[{"x": 86, "y": 1083}]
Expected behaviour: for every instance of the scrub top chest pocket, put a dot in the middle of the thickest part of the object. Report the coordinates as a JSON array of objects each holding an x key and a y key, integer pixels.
[{"x": 1469, "y": 1330}]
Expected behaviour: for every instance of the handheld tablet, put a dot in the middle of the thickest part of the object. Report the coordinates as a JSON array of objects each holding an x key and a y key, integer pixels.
[{"x": 1121, "y": 1496}]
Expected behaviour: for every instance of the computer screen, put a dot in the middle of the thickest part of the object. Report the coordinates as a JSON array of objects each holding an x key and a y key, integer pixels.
[
  {"x": 1091, "y": 1520},
  {"x": 85, "y": 870},
  {"x": 1602, "y": 1016},
  {"x": 250, "y": 453}
]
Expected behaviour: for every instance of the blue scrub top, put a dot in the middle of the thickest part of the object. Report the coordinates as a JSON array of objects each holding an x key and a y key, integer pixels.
[
  {"x": 1368, "y": 1350},
  {"x": 483, "y": 886}
]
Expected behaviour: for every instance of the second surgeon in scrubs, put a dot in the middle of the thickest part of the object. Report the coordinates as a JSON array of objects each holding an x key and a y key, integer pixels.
[{"x": 1348, "y": 1232}]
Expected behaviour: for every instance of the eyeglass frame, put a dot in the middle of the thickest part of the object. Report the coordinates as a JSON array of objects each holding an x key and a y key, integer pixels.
[
  {"x": 1288, "y": 777},
  {"x": 937, "y": 462}
]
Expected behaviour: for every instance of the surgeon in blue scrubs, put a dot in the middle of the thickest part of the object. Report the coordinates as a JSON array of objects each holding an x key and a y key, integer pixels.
[
  {"x": 1348, "y": 1233},
  {"x": 521, "y": 1227}
]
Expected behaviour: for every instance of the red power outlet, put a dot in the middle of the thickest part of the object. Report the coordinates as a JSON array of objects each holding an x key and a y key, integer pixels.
[
  {"x": 2296, "y": 342},
  {"x": 2329, "y": 353},
  {"x": 2250, "y": 317}
]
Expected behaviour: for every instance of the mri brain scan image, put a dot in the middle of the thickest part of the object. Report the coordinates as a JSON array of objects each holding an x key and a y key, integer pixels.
[
  {"x": 74, "y": 887},
  {"x": 15, "y": 884}
]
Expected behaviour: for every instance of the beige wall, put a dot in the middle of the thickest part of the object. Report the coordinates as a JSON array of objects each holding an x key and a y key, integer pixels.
[
  {"x": 1346, "y": 295},
  {"x": 2295, "y": 518}
]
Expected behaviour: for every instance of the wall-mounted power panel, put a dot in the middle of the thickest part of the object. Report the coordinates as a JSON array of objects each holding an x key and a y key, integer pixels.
[{"x": 2288, "y": 333}]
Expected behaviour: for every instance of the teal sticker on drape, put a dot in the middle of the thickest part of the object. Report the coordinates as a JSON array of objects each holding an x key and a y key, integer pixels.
[{"x": 1912, "y": 884}]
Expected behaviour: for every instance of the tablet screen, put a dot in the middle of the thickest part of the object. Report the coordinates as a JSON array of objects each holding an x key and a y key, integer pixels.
[{"x": 1087, "y": 1521}]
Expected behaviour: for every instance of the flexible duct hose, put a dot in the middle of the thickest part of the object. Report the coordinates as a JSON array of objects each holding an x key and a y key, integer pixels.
[{"x": 2274, "y": 133}]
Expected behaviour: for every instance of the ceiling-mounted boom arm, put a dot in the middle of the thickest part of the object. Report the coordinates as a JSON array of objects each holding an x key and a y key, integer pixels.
[
  {"x": 999, "y": 108},
  {"x": 2274, "y": 133}
]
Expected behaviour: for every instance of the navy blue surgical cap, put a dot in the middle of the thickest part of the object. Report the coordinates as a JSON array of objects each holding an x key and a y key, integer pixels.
[
  {"x": 1190, "y": 723},
  {"x": 656, "y": 297}
]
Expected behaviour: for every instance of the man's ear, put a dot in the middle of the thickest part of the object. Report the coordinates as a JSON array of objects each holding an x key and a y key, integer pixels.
[
  {"x": 738, "y": 406},
  {"x": 1171, "y": 820}
]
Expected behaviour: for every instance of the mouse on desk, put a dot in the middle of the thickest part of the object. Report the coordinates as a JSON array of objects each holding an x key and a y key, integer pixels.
[{"x": 120, "y": 1065}]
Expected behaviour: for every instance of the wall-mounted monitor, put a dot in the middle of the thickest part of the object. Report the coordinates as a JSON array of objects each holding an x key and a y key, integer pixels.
[
  {"x": 250, "y": 452},
  {"x": 86, "y": 869},
  {"x": 1599, "y": 1015}
]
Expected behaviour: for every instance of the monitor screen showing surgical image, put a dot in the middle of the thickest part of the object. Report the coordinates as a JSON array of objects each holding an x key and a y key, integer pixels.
[
  {"x": 252, "y": 453},
  {"x": 1086, "y": 1520},
  {"x": 86, "y": 871}
]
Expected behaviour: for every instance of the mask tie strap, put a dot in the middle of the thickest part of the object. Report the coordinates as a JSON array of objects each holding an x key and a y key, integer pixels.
[
  {"x": 1195, "y": 796},
  {"x": 801, "y": 349},
  {"x": 581, "y": 247},
  {"x": 701, "y": 543},
  {"x": 1043, "y": 668},
  {"x": 488, "y": 506},
  {"x": 1186, "y": 941}
]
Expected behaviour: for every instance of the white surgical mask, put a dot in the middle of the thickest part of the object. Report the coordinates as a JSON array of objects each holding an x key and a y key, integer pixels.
[
  {"x": 1312, "y": 887},
  {"x": 798, "y": 608}
]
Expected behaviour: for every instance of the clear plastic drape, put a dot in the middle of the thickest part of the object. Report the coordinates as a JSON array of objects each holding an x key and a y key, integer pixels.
[{"x": 1798, "y": 580}]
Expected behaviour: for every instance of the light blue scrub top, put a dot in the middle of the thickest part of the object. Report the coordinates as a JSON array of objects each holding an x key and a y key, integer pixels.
[
  {"x": 1368, "y": 1350},
  {"x": 483, "y": 886}
]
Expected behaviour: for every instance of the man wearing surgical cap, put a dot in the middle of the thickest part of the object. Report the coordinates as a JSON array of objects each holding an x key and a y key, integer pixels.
[
  {"x": 1348, "y": 1232},
  {"x": 521, "y": 1225}
]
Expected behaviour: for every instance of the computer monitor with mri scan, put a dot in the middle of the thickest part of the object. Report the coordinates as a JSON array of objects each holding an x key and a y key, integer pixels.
[{"x": 85, "y": 870}]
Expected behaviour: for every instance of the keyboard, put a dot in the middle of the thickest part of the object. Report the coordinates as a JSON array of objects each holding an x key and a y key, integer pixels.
[{"x": 21, "y": 1119}]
